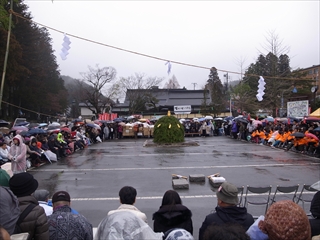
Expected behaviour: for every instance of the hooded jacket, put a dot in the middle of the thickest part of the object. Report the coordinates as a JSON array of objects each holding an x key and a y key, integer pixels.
[
  {"x": 224, "y": 215},
  {"x": 18, "y": 152},
  {"x": 172, "y": 216}
]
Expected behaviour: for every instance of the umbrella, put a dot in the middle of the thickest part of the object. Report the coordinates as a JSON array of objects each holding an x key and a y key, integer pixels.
[
  {"x": 118, "y": 120},
  {"x": 33, "y": 125},
  {"x": 35, "y": 131},
  {"x": 310, "y": 135},
  {"x": 77, "y": 120},
  {"x": 256, "y": 122},
  {"x": 24, "y": 133},
  {"x": 20, "y": 128},
  {"x": 66, "y": 129},
  {"x": 55, "y": 124},
  {"x": 298, "y": 134},
  {"x": 4, "y": 123},
  {"x": 43, "y": 124},
  {"x": 93, "y": 125},
  {"x": 217, "y": 119},
  {"x": 241, "y": 119},
  {"x": 22, "y": 124},
  {"x": 4, "y": 130},
  {"x": 316, "y": 129},
  {"x": 209, "y": 118},
  {"x": 121, "y": 123},
  {"x": 51, "y": 127},
  {"x": 201, "y": 119}
]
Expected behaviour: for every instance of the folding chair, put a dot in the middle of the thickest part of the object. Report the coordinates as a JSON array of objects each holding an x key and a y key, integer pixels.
[
  {"x": 306, "y": 194},
  {"x": 286, "y": 192},
  {"x": 260, "y": 196},
  {"x": 240, "y": 194}
]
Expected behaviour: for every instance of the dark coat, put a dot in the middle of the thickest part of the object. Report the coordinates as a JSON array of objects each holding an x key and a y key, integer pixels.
[
  {"x": 36, "y": 222},
  {"x": 176, "y": 216},
  {"x": 224, "y": 215}
]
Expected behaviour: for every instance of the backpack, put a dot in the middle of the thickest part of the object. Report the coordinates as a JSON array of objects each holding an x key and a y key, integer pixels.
[{"x": 23, "y": 215}]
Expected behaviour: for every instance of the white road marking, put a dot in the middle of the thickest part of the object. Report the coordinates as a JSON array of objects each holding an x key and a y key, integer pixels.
[
  {"x": 160, "y": 197},
  {"x": 181, "y": 167}
]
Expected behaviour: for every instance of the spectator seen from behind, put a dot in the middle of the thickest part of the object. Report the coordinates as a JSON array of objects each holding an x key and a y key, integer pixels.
[
  {"x": 227, "y": 210},
  {"x": 172, "y": 214},
  {"x": 35, "y": 223},
  {"x": 63, "y": 224},
  {"x": 128, "y": 196},
  {"x": 42, "y": 196},
  {"x": 284, "y": 220}
]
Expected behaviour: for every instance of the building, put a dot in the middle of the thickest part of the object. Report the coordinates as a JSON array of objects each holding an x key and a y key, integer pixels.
[{"x": 161, "y": 100}]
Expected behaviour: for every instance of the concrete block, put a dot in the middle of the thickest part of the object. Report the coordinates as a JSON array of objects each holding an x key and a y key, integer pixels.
[
  {"x": 180, "y": 184},
  {"x": 197, "y": 178},
  {"x": 214, "y": 183}
]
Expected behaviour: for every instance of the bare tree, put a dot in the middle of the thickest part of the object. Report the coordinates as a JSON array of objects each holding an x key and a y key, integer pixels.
[
  {"x": 240, "y": 62},
  {"x": 97, "y": 78},
  {"x": 172, "y": 83},
  {"x": 274, "y": 45},
  {"x": 138, "y": 91}
]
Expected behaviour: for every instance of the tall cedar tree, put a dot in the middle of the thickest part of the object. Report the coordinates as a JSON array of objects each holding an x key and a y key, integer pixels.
[
  {"x": 215, "y": 87},
  {"x": 33, "y": 80}
]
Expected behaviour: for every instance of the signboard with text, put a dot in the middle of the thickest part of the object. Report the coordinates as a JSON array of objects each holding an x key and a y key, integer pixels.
[
  {"x": 298, "y": 108},
  {"x": 184, "y": 109}
]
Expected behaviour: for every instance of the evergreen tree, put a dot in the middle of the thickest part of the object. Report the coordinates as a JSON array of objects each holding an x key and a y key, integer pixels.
[{"x": 215, "y": 87}]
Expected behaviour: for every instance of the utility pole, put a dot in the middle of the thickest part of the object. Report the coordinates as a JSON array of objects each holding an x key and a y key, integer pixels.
[
  {"x": 194, "y": 86},
  {"x": 7, "y": 53}
]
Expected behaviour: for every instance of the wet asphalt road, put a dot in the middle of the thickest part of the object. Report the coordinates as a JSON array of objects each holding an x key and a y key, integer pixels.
[{"x": 94, "y": 176}]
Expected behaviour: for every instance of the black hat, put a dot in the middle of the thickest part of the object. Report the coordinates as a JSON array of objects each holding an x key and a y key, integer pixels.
[
  {"x": 23, "y": 184},
  {"x": 228, "y": 193},
  {"x": 61, "y": 196}
]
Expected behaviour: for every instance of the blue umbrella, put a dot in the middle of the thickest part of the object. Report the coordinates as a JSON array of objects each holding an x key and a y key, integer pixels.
[
  {"x": 35, "y": 131},
  {"x": 91, "y": 125},
  {"x": 118, "y": 120}
]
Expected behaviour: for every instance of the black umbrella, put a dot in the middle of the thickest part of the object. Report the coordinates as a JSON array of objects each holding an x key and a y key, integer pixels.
[
  {"x": 118, "y": 120},
  {"x": 3, "y": 123},
  {"x": 298, "y": 134},
  {"x": 35, "y": 131},
  {"x": 244, "y": 120},
  {"x": 316, "y": 129}
]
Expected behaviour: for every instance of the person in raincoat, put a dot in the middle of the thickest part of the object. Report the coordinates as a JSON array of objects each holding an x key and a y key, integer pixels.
[
  {"x": 17, "y": 155},
  {"x": 125, "y": 225}
]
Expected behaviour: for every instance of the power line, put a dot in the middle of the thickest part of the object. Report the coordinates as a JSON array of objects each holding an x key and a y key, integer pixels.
[{"x": 149, "y": 56}]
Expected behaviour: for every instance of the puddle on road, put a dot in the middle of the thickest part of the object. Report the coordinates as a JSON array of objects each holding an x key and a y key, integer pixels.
[{"x": 217, "y": 153}]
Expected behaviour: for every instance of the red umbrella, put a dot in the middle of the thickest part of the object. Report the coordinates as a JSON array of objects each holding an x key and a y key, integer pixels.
[
  {"x": 66, "y": 129},
  {"x": 310, "y": 135}
]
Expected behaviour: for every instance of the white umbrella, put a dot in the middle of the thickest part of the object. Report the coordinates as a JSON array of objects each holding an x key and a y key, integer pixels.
[{"x": 208, "y": 118}]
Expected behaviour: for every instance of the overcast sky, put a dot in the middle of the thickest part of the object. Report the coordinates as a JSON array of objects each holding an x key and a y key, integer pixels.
[{"x": 205, "y": 33}]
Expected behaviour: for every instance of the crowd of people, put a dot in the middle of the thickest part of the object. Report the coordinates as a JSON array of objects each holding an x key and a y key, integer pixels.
[
  {"x": 26, "y": 209},
  {"x": 299, "y": 136}
]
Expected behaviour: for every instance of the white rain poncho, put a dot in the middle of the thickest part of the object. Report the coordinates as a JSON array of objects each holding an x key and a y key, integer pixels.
[{"x": 125, "y": 225}]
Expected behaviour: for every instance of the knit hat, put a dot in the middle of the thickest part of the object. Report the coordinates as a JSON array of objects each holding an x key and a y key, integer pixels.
[
  {"x": 228, "y": 193},
  {"x": 61, "y": 196},
  {"x": 286, "y": 220},
  {"x": 315, "y": 205},
  {"x": 23, "y": 184}
]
